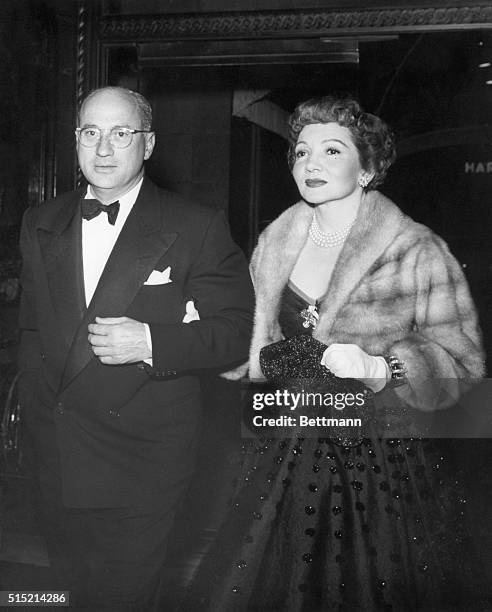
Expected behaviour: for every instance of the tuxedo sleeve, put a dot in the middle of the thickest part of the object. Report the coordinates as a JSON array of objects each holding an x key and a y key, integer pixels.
[{"x": 220, "y": 286}]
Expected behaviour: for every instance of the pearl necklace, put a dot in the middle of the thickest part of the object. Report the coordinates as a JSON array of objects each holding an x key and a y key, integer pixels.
[{"x": 328, "y": 240}]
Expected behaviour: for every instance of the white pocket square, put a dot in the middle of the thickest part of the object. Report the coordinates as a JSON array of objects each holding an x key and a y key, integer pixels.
[{"x": 159, "y": 278}]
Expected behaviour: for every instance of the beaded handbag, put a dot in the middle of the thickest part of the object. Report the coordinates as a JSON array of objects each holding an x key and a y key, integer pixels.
[{"x": 296, "y": 357}]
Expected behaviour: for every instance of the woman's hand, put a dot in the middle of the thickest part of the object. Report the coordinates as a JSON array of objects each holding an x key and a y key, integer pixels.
[{"x": 350, "y": 361}]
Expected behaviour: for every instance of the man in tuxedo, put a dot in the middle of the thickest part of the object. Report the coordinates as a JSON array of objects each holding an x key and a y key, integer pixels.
[{"x": 109, "y": 356}]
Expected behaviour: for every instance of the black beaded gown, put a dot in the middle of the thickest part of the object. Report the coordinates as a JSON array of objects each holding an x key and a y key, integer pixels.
[{"x": 315, "y": 525}]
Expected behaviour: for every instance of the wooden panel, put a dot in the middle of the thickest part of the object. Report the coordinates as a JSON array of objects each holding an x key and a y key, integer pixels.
[{"x": 234, "y": 52}]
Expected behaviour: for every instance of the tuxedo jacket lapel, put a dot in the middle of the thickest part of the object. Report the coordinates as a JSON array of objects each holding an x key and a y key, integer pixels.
[
  {"x": 140, "y": 245},
  {"x": 60, "y": 241}
]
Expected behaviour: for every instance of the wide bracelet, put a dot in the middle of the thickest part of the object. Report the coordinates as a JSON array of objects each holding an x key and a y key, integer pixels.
[{"x": 397, "y": 369}]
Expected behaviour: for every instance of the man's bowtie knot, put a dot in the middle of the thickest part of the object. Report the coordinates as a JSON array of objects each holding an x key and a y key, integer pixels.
[{"x": 91, "y": 209}]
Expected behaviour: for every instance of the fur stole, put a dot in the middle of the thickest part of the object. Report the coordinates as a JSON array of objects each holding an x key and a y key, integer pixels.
[{"x": 390, "y": 272}]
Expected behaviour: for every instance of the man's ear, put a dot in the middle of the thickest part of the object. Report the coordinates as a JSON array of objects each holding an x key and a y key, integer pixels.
[{"x": 149, "y": 144}]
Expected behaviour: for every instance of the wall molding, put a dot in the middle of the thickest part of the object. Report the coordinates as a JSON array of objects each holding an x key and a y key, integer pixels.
[{"x": 305, "y": 23}]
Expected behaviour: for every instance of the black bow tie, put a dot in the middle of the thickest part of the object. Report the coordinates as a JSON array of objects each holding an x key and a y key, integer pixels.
[{"x": 91, "y": 208}]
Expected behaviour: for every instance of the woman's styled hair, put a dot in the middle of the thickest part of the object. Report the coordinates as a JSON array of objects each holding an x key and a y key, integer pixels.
[{"x": 372, "y": 137}]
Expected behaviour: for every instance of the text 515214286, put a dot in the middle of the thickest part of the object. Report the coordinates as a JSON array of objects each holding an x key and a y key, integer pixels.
[{"x": 34, "y": 598}]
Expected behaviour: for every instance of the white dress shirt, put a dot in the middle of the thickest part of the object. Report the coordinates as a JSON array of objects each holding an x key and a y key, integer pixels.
[{"x": 98, "y": 240}]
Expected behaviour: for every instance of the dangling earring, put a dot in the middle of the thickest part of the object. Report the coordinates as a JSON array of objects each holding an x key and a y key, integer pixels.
[{"x": 363, "y": 181}]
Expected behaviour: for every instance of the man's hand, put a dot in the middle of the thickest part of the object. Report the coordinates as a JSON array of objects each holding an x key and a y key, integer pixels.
[{"x": 117, "y": 340}]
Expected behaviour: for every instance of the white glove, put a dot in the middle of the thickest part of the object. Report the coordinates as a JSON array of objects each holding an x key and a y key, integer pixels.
[
  {"x": 191, "y": 312},
  {"x": 350, "y": 361}
]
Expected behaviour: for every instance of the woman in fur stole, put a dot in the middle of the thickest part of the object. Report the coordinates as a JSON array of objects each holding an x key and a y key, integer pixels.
[{"x": 373, "y": 523}]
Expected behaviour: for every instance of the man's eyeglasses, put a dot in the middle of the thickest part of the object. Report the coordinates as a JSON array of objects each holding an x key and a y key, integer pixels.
[{"x": 119, "y": 137}]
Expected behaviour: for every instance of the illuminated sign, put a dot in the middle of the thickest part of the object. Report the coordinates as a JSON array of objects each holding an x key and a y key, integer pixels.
[{"x": 478, "y": 167}]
